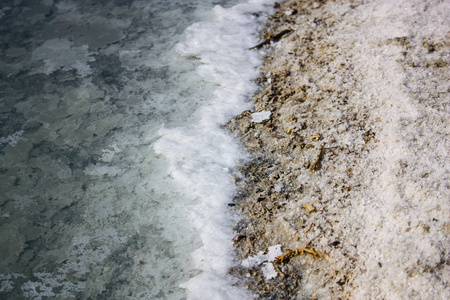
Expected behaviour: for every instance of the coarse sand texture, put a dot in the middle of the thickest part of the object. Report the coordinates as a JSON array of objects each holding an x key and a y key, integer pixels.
[{"x": 350, "y": 139}]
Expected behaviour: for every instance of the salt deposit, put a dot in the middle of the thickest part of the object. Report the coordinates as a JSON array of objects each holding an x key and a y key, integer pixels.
[
  {"x": 359, "y": 130},
  {"x": 202, "y": 155}
]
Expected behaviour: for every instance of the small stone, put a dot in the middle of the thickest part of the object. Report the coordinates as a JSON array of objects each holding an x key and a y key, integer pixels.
[{"x": 309, "y": 207}]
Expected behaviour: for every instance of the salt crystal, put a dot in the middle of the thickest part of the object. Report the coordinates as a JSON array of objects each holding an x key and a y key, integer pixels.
[
  {"x": 258, "y": 117},
  {"x": 269, "y": 271},
  {"x": 278, "y": 187}
]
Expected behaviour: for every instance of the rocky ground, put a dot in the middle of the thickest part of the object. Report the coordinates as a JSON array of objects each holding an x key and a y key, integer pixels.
[{"x": 350, "y": 161}]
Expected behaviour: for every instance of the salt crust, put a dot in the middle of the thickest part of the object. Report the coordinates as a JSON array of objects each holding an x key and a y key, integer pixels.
[
  {"x": 360, "y": 105},
  {"x": 201, "y": 156}
]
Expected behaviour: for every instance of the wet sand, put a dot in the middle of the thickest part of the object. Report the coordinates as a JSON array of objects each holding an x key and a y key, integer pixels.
[{"x": 349, "y": 154}]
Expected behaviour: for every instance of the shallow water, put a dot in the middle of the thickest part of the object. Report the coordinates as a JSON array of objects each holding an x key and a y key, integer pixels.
[{"x": 87, "y": 209}]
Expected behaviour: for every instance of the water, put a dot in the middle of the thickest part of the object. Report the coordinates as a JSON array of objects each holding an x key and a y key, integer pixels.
[{"x": 114, "y": 172}]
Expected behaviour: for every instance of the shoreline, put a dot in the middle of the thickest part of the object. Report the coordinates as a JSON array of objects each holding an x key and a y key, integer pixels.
[{"x": 352, "y": 97}]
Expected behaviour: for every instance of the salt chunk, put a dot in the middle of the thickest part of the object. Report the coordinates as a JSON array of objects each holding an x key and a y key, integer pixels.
[
  {"x": 278, "y": 187},
  {"x": 258, "y": 117},
  {"x": 288, "y": 12},
  {"x": 266, "y": 260},
  {"x": 272, "y": 253},
  {"x": 254, "y": 260},
  {"x": 269, "y": 271}
]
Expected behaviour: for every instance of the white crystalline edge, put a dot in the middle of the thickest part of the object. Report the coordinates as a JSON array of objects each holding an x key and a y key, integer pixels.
[{"x": 200, "y": 156}]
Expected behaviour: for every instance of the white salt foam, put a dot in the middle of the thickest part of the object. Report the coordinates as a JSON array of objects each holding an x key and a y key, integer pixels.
[{"x": 201, "y": 156}]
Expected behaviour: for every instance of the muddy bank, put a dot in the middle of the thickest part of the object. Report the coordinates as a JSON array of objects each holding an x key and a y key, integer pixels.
[{"x": 349, "y": 140}]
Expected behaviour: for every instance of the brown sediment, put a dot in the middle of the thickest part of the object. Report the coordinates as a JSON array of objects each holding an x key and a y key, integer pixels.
[
  {"x": 309, "y": 166},
  {"x": 295, "y": 147}
]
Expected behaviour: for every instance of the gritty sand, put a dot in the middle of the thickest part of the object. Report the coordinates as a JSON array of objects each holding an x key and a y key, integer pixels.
[{"x": 349, "y": 153}]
